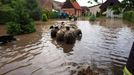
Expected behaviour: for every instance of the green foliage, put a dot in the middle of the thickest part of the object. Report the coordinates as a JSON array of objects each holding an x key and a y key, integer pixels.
[
  {"x": 22, "y": 22},
  {"x": 44, "y": 17},
  {"x": 16, "y": 28},
  {"x": 129, "y": 15},
  {"x": 54, "y": 15},
  {"x": 51, "y": 14},
  {"x": 116, "y": 9},
  {"x": 47, "y": 12},
  {"x": 36, "y": 14},
  {"x": 10, "y": 8},
  {"x": 13, "y": 28},
  {"x": 132, "y": 18},
  {"x": 28, "y": 28},
  {"x": 5, "y": 1},
  {"x": 33, "y": 9},
  {"x": 92, "y": 17},
  {"x": 128, "y": 4},
  {"x": 117, "y": 12},
  {"x": 6, "y": 14},
  {"x": 98, "y": 14}
]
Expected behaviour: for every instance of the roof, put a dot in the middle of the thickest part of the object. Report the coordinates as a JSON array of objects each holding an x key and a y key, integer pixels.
[
  {"x": 71, "y": 4},
  {"x": 76, "y": 5},
  {"x": 95, "y": 5},
  {"x": 108, "y": 3},
  {"x": 84, "y": 8}
]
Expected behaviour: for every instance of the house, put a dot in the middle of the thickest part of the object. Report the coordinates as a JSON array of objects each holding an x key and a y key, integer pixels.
[
  {"x": 71, "y": 8},
  {"x": 109, "y": 12},
  {"x": 94, "y": 9}
]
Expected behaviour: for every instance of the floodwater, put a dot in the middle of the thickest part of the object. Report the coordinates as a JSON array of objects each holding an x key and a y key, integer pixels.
[{"x": 104, "y": 46}]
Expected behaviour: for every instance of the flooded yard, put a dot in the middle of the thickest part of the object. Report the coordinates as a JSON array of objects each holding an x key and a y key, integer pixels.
[{"x": 104, "y": 46}]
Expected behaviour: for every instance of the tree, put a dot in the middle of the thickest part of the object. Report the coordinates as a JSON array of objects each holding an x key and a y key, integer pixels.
[
  {"x": 127, "y": 4},
  {"x": 22, "y": 22},
  {"x": 33, "y": 9}
]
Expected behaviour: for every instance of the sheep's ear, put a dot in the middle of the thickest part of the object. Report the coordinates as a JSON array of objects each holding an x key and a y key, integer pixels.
[{"x": 51, "y": 27}]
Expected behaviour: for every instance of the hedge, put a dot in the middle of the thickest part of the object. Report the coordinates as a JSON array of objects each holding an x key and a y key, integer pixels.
[{"x": 129, "y": 15}]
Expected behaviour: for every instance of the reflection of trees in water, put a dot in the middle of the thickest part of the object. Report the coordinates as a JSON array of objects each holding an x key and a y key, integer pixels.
[{"x": 111, "y": 23}]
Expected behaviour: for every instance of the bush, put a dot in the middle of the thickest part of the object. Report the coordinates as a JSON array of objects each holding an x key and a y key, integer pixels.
[
  {"x": 129, "y": 15},
  {"x": 36, "y": 14},
  {"x": 53, "y": 15},
  {"x": 47, "y": 13},
  {"x": 22, "y": 22},
  {"x": 44, "y": 17},
  {"x": 34, "y": 10},
  {"x": 98, "y": 14},
  {"x": 16, "y": 29},
  {"x": 29, "y": 28},
  {"x": 132, "y": 17},
  {"x": 13, "y": 28},
  {"x": 6, "y": 14},
  {"x": 92, "y": 18},
  {"x": 5, "y": 1}
]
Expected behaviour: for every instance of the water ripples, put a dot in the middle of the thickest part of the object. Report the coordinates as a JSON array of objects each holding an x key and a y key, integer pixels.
[{"x": 104, "y": 46}]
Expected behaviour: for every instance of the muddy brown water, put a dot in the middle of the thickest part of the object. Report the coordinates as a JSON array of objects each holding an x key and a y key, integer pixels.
[{"x": 105, "y": 46}]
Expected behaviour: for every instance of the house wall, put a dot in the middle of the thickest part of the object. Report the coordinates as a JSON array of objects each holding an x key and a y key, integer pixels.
[
  {"x": 94, "y": 9},
  {"x": 69, "y": 11},
  {"x": 78, "y": 13},
  {"x": 72, "y": 11}
]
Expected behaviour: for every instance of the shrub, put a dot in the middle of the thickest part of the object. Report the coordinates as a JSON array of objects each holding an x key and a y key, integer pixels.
[
  {"x": 54, "y": 15},
  {"x": 6, "y": 14},
  {"x": 51, "y": 14},
  {"x": 5, "y": 1},
  {"x": 98, "y": 14},
  {"x": 16, "y": 29},
  {"x": 129, "y": 15},
  {"x": 46, "y": 12},
  {"x": 34, "y": 10},
  {"x": 132, "y": 17},
  {"x": 36, "y": 14},
  {"x": 29, "y": 28},
  {"x": 13, "y": 28},
  {"x": 92, "y": 18},
  {"x": 44, "y": 17},
  {"x": 22, "y": 22}
]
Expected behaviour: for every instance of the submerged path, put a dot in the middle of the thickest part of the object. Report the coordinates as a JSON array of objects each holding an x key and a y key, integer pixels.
[{"x": 105, "y": 46}]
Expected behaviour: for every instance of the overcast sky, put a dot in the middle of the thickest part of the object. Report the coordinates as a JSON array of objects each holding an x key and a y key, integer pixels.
[{"x": 84, "y": 2}]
